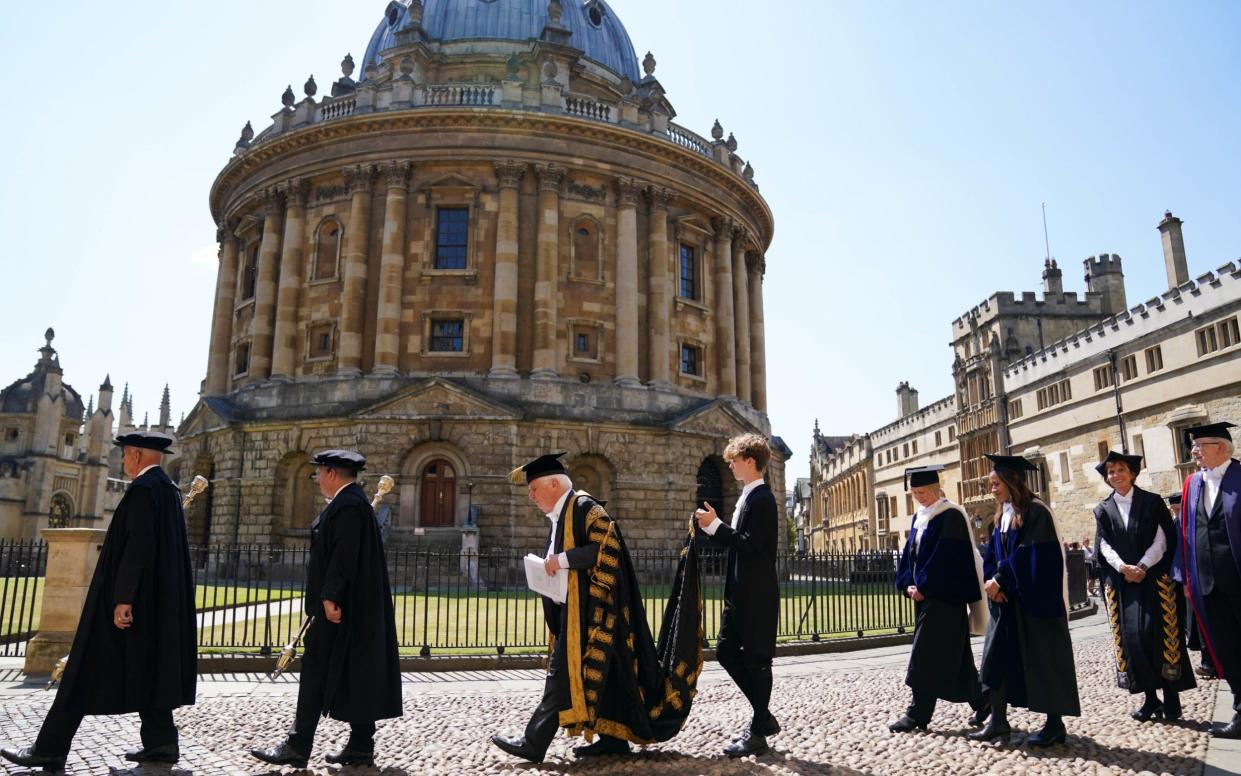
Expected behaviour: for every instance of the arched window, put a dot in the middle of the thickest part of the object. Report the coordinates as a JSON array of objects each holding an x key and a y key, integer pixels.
[
  {"x": 60, "y": 514},
  {"x": 711, "y": 486},
  {"x": 586, "y": 249},
  {"x": 438, "y": 495},
  {"x": 327, "y": 250}
]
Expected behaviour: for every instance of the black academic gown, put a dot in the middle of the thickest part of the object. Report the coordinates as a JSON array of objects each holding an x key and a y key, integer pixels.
[
  {"x": 144, "y": 562},
  {"x": 1147, "y": 617},
  {"x": 751, "y": 586},
  {"x": 1028, "y": 647},
  {"x": 942, "y": 568},
  {"x": 356, "y": 660}
]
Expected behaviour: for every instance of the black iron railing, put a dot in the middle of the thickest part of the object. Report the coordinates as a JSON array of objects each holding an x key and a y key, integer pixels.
[{"x": 22, "y": 567}]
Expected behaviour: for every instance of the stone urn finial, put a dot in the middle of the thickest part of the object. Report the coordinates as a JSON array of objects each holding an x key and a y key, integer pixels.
[
  {"x": 415, "y": 13},
  {"x": 648, "y": 64},
  {"x": 748, "y": 172},
  {"x": 550, "y": 70},
  {"x": 731, "y": 143},
  {"x": 555, "y": 10},
  {"x": 311, "y": 88},
  {"x": 513, "y": 65},
  {"x": 717, "y": 131},
  {"x": 49, "y": 335},
  {"x": 347, "y": 66},
  {"x": 288, "y": 98},
  {"x": 247, "y": 133}
]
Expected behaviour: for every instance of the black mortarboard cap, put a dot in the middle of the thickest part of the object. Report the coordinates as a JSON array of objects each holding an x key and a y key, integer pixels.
[
  {"x": 1134, "y": 461},
  {"x": 539, "y": 467},
  {"x": 344, "y": 459},
  {"x": 920, "y": 476},
  {"x": 1211, "y": 431},
  {"x": 147, "y": 440},
  {"x": 1175, "y": 498},
  {"x": 1014, "y": 463}
]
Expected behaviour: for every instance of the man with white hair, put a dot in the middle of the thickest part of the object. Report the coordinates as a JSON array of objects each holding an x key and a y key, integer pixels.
[{"x": 1209, "y": 562}]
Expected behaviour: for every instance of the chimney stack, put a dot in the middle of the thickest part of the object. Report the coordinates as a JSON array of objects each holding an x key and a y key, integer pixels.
[
  {"x": 1174, "y": 250},
  {"x": 1053, "y": 279}
]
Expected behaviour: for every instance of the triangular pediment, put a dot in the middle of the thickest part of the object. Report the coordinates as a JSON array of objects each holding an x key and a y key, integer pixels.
[
  {"x": 208, "y": 414},
  {"x": 715, "y": 419},
  {"x": 451, "y": 181},
  {"x": 438, "y": 398}
]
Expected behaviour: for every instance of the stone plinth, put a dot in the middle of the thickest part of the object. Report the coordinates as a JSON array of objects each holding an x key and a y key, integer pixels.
[{"x": 71, "y": 557}]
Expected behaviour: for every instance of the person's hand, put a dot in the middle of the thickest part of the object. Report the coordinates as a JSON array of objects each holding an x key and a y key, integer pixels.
[
  {"x": 1132, "y": 574},
  {"x": 123, "y": 616},
  {"x": 332, "y": 612},
  {"x": 912, "y": 592},
  {"x": 993, "y": 591},
  {"x": 705, "y": 516},
  {"x": 552, "y": 565}
]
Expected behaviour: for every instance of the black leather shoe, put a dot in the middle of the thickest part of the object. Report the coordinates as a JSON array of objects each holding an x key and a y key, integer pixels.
[
  {"x": 1206, "y": 672},
  {"x": 604, "y": 746},
  {"x": 1050, "y": 735},
  {"x": 168, "y": 753},
  {"x": 282, "y": 755},
  {"x": 1149, "y": 709},
  {"x": 518, "y": 747},
  {"x": 769, "y": 728},
  {"x": 750, "y": 744},
  {"x": 992, "y": 732},
  {"x": 349, "y": 756},
  {"x": 979, "y": 717},
  {"x": 1231, "y": 730},
  {"x": 906, "y": 724},
  {"x": 27, "y": 758}
]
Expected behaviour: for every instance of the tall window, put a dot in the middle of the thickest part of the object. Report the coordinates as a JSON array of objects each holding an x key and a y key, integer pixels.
[
  {"x": 1103, "y": 377},
  {"x": 242, "y": 360},
  {"x": 689, "y": 272},
  {"x": 586, "y": 250},
  {"x": 1014, "y": 411},
  {"x": 691, "y": 360},
  {"x": 1228, "y": 333},
  {"x": 451, "y": 237},
  {"x": 250, "y": 273},
  {"x": 1207, "y": 340},
  {"x": 327, "y": 251},
  {"x": 1129, "y": 368},
  {"x": 438, "y": 495},
  {"x": 448, "y": 336},
  {"x": 1154, "y": 359}
]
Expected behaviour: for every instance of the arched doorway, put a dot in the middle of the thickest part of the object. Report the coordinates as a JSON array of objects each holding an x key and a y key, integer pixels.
[
  {"x": 438, "y": 487},
  {"x": 298, "y": 500},
  {"x": 711, "y": 486},
  {"x": 60, "y": 514}
]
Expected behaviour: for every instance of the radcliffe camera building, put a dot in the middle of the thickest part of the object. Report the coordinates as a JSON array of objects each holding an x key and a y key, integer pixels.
[
  {"x": 488, "y": 239},
  {"x": 1061, "y": 379}
]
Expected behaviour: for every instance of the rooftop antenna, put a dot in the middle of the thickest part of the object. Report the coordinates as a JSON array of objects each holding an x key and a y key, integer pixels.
[{"x": 1046, "y": 241}]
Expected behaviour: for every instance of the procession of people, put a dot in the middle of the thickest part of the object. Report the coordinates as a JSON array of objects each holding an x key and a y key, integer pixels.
[{"x": 1166, "y": 581}]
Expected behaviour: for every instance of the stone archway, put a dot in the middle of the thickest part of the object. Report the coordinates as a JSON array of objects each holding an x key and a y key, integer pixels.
[
  {"x": 198, "y": 516},
  {"x": 441, "y": 495},
  {"x": 593, "y": 474},
  {"x": 60, "y": 512},
  {"x": 297, "y": 499}
]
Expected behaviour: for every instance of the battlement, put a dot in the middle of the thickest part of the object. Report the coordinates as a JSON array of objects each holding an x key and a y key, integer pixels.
[
  {"x": 942, "y": 411},
  {"x": 1103, "y": 264},
  {"x": 1005, "y": 303}
]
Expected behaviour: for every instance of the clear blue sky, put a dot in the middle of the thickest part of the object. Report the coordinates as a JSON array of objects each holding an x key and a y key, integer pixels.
[{"x": 904, "y": 148}]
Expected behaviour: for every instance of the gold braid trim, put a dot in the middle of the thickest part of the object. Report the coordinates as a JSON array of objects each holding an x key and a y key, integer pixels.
[
  {"x": 1171, "y": 623},
  {"x": 573, "y": 635},
  {"x": 1113, "y": 615}
]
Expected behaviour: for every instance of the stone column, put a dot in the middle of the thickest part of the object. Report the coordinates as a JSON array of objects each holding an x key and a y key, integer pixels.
[
  {"x": 741, "y": 311},
  {"x": 284, "y": 355},
  {"x": 504, "y": 317},
  {"x": 757, "y": 266},
  {"x": 725, "y": 344},
  {"x": 627, "y": 282},
  {"x": 353, "y": 296},
  {"x": 262, "y": 326},
  {"x": 659, "y": 288},
  {"x": 71, "y": 557},
  {"x": 392, "y": 270},
  {"x": 219, "y": 362},
  {"x": 546, "y": 362}
]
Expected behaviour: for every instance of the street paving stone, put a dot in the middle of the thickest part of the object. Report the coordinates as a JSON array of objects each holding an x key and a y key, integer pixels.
[{"x": 834, "y": 722}]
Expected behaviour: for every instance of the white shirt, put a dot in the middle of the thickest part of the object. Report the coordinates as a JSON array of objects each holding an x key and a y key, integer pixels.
[
  {"x": 1211, "y": 480},
  {"x": 1006, "y": 519},
  {"x": 1153, "y": 554},
  {"x": 922, "y": 518},
  {"x": 554, "y": 516},
  {"x": 152, "y": 466},
  {"x": 338, "y": 490},
  {"x": 745, "y": 492}
]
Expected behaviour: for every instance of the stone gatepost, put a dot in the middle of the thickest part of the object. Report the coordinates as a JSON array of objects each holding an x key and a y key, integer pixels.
[
  {"x": 71, "y": 557},
  {"x": 469, "y": 553}
]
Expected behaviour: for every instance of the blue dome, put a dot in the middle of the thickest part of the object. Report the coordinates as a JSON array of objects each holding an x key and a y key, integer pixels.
[{"x": 596, "y": 30}]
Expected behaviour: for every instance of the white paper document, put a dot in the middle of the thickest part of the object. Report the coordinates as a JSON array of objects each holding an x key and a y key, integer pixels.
[{"x": 555, "y": 587}]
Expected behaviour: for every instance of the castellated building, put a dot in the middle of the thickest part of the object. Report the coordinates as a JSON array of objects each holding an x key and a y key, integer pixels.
[
  {"x": 494, "y": 243},
  {"x": 1060, "y": 379}
]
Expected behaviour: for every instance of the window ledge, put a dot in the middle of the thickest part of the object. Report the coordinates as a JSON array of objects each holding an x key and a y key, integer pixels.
[
  {"x": 445, "y": 354},
  {"x": 469, "y": 275},
  {"x": 682, "y": 303},
  {"x": 586, "y": 281},
  {"x": 324, "y": 281}
]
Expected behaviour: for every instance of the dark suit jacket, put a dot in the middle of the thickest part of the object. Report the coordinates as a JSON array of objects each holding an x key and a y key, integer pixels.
[
  {"x": 582, "y": 556},
  {"x": 751, "y": 588}
]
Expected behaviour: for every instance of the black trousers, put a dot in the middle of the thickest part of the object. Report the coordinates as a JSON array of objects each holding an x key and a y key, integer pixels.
[
  {"x": 311, "y": 695},
  {"x": 59, "y": 727},
  {"x": 1224, "y": 615},
  {"x": 545, "y": 721},
  {"x": 749, "y": 669}
]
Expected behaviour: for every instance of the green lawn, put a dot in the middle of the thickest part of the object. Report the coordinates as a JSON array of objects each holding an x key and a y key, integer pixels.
[
  {"x": 21, "y": 601},
  {"x": 209, "y": 597}
]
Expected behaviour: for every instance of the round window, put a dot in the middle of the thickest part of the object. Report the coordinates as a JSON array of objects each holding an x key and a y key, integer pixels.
[{"x": 595, "y": 14}]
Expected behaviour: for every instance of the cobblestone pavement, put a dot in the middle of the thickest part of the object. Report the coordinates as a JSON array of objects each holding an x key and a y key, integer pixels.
[{"x": 834, "y": 710}]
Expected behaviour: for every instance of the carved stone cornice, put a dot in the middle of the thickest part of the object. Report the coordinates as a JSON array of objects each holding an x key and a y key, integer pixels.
[
  {"x": 359, "y": 178},
  {"x": 509, "y": 173},
  {"x": 398, "y": 174},
  {"x": 660, "y": 198},
  {"x": 627, "y": 190},
  {"x": 551, "y": 177}
]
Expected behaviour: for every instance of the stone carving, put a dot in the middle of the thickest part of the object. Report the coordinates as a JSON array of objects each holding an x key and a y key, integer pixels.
[
  {"x": 509, "y": 173},
  {"x": 550, "y": 70},
  {"x": 748, "y": 172},
  {"x": 587, "y": 192},
  {"x": 627, "y": 191},
  {"x": 247, "y": 134},
  {"x": 325, "y": 193},
  {"x": 731, "y": 143},
  {"x": 406, "y": 67},
  {"x": 626, "y": 86},
  {"x": 551, "y": 176},
  {"x": 717, "y": 131},
  {"x": 660, "y": 198},
  {"x": 648, "y": 64},
  {"x": 555, "y": 10},
  {"x": 398, "y": 174},
  {"x": 311, "y": 88},
  {"x": 288, "y": 98},
  {"x": 347, "y": 66},
  {"x": 359, "y": 178},
  {"x": 513, "y": 65},
  {"x": 296, "y": 192}
]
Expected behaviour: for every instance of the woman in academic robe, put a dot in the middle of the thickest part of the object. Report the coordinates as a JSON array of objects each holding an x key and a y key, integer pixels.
[
  {"x": 941, "y": 571},
  {"x": 1137, "y": 542},
  {"x": 1028, "y": 656}
]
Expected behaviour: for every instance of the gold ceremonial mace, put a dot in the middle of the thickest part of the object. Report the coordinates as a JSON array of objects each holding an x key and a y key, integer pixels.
[
  {"x": 197, "y": 486},
  {"x": 289, "y": 652}
]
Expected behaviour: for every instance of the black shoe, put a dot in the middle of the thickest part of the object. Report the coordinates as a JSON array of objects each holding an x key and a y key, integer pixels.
[
  {"x": 906, "y": 724},
  {"x": 748, "y": 745},
  {"x": 168, "y": 753},
  {"x": 349, "y": 756},
  {"x": 1206, "y": 672},
  {"x": 518, "y": 747},
  {"x": 604, "y": 746},
  {"x": 1152, "y": 708},
  {"x": 979, "y": 717},
  {"x": 1050, "y": 735},
  {"x": 1231, "y": 730},
  {"x": 26, "y": 758},
  {"x": 992, "y": 732},
  {"x": 1171, "y": 707},
  {"x": 282, "y": 755},
  {"x": 770, "y": 728}
]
